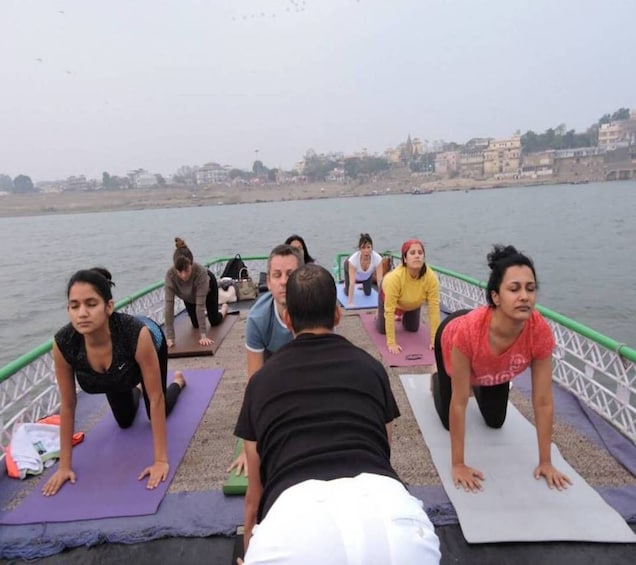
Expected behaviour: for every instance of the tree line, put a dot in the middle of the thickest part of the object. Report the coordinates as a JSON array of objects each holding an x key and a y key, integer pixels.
[
  {"x": 562, "y": 138},
  {"x": 22, "y": 184}
]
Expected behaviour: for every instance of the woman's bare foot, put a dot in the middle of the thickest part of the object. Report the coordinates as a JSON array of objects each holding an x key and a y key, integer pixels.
[
  {"x": 224, "y": 309},
  {"x": 178, "y": 378}
]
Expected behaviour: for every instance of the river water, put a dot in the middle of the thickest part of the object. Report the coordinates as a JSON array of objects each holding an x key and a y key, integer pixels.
[{"x": 582, "y": 239}]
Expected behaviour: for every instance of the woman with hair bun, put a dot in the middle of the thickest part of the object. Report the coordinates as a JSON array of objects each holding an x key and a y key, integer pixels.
[
  {"x": 404, "y": 290},
  {"x": 115, "y": 354},
  {"x": 198, "y": 289},
  {"x": 483, "y": 350},
  {"x": 361, "y": 266}
]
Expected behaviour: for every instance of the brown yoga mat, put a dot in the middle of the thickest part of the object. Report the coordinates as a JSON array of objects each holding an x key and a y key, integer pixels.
[{"x": 187, "y": 338}]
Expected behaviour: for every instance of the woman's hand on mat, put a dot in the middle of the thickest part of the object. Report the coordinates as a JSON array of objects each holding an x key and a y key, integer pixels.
[
  {"x": 467, "y": 478},
  {"x": 395, "y": 349},
  {"x": 553, "y": 476},
  {"x": 156, "y": 473},
  {"x": 240, "y": 464},
  {"x": 205, "y": 341},
  {"x": 170, "y": 343},
  {"x": 57, "y": 480}
]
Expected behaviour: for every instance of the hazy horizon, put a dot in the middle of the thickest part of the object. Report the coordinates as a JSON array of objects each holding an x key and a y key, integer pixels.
[{"x": 118, "y": 86}]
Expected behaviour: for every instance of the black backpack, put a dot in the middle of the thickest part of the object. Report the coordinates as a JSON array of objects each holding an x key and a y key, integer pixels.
[{"x": 234, "y": 267}]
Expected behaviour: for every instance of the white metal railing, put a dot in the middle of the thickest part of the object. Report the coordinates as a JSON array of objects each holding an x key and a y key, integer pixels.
[{"x": 602, "y": 377}]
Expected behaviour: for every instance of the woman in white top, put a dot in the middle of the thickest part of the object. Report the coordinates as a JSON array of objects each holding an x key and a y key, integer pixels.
[{"x": 361, "y": 266}]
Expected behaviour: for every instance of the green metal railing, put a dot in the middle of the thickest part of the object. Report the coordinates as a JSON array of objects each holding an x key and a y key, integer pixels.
[
  {"x": 600, "y": 371},
  {"x": 607, "y": 342}
]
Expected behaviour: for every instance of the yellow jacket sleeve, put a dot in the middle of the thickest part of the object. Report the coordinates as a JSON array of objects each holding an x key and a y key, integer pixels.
[{"x": 403, "y": 292}]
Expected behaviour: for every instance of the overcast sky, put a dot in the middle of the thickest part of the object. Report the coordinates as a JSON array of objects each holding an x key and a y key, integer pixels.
[{"x": 88, "y": 86}]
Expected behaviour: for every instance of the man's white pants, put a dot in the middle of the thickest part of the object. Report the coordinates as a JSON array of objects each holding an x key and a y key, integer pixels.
[{"x": 365, "y": 520}]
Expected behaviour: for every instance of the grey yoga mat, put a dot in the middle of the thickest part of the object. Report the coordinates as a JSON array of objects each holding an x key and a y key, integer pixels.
[{"x": 513, "y": 506}]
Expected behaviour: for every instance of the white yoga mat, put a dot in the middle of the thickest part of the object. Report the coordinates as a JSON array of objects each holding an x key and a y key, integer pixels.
[{"x": 513, "y": 506}]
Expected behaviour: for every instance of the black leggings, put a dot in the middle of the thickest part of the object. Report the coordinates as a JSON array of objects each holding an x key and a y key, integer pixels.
[
  {"x": 492, "y": 400},
  {"x": 124, "y": 404},
  {"x": 366, "y": 285},
  {"x": 211, "y": 305},
  {"x": 410, "y": 319}
]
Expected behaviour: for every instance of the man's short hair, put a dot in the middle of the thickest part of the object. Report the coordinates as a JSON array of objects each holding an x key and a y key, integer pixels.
[
  {"x": 311, "y": 298},
  {"x": 284, "y": 250}
]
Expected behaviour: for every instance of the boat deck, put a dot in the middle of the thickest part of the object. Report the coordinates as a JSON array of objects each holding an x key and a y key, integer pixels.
[{"x": 209, "y": 454}]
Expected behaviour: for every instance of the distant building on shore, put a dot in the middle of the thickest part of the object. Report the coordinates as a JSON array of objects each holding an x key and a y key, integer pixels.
[
  {"x": 77, "y": 183},
  {"x": 582, "y": 163},
  {"x": 471, "y": 164},
  {"x": 212, "y": 173},
  {"x": 447, "y": 163},
  {"x": 539, "y": 164},
  {"x": 621, "y": 133},
  {"x": 503, "y": 157},
  {"x": 140, "y": 178}
]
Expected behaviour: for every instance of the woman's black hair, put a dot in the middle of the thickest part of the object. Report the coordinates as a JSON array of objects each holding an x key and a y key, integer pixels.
[
  {"x": 499, "y": 259},
  {"x": 98, "y": 277},
  {"x": 364, "y": 239},
  {"x": 307, "y": 258}
]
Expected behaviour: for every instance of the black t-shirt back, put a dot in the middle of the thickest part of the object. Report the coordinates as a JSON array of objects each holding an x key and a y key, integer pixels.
[{"x": 317, "y": 409}]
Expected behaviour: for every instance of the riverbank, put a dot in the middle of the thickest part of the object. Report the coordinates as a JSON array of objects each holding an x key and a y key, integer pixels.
[{"x": 217, "y": 195}]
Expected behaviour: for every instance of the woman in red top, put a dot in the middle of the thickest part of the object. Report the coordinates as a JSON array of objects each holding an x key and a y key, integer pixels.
[{"x": 486, "y": 348}]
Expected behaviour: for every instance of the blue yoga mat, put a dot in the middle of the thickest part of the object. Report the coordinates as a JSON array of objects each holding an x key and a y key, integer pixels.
[
  {"x": 360, "y": 300},
  {"x": 110, "y": 459}
]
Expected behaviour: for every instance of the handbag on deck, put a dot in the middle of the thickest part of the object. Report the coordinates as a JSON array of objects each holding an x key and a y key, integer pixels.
[{"x": 246, "y": 288}]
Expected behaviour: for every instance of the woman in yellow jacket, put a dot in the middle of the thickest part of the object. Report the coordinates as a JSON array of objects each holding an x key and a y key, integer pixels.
[{"x": 404, "y": 290}]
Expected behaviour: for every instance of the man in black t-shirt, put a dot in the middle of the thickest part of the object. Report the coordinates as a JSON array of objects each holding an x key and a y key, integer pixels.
[{"x": 316, "y": 424}]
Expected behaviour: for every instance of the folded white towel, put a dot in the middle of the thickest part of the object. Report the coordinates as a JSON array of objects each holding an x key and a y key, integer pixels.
[{"x": 35, "y": 447}]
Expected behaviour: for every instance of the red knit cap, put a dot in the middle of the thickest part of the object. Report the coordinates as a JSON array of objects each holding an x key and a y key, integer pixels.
[{"x": 408, "y": 243}]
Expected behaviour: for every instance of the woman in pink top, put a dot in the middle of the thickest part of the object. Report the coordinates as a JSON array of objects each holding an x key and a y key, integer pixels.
[{"x": 484, "y": 349}]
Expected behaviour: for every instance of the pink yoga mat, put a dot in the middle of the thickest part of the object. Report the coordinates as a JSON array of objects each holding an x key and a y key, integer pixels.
[
  {"x": 110, "y": 459},
  {"x": 415, "y": 345}
]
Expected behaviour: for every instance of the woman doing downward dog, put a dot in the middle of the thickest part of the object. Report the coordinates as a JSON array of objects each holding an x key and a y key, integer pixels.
[
  {"x": 361, "y": 266},
  {"x": 404, "y": 290},
  {"x": 198, "y": 289},
  {"x": 484, "y": 349},
  {"x": 115, "y": 354}
]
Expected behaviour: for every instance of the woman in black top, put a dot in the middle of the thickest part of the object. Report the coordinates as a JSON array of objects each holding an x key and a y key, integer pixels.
[
  {"x": 116, "y": 354},
  {"x": 299, "y": 243}
]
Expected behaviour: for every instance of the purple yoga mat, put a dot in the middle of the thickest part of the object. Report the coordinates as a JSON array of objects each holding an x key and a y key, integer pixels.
[
  {"x": 415, "y": 345},
  {"x": 110, "y": 459}
]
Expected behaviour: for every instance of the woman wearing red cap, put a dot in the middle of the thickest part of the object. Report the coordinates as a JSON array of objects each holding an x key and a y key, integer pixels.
[{"x": 404, "y": 290}]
